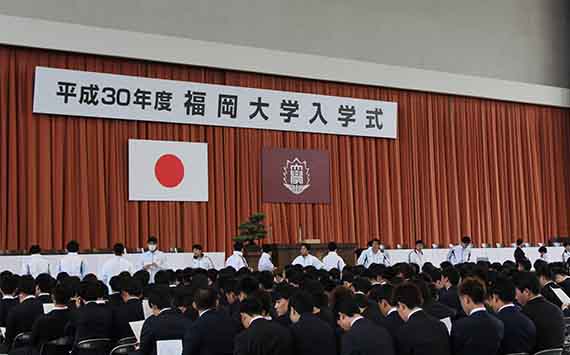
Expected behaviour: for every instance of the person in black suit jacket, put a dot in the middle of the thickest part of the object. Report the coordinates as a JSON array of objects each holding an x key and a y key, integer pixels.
[
  {"x": 432, "y": 307},
  {"x": 131, "y": 310},
  {"x": 8, "y": 286},
  {"x": 520, "y": 332},
  {"x": 450, "y": 296},
  {"x": 51, "y": 326},
  {"x": 213, "y": 332},
  {"x": 44, "y": 284},
  {"x": 544, "y": 274},
  {"x": 22, "y": 316},
  {"x": 547, "y": 317},
  {"x": 165, "y": 323},
  {"x": 389, "y": 318},
  {"x": 421, "y": 334},
  {"x": 561, "y": 277},
  {"x": 361, "y": 336},
  {"x": 261, "y": 336},
  {"x": 479, "y": 332},
  {"x": 311, "y": 335},
  {"x": 91, "y": 320},
  {"x": 114, "y": 299},
  {"x": 519, "y": 253}
]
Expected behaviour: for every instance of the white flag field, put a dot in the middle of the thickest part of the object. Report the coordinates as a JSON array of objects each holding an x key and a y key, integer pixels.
[{"x": 168, "y": 171}]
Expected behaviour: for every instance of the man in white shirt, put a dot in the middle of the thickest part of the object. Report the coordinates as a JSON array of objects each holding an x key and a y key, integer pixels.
[
  {"x": 566, "y": 252},
  {"x": 201, "y": 261},
  {"x": 153, "y": 260},
  {"x": 306, "y": 259},
  {"x": 416, "y": 256},
  {"x": 35, "y": 264},
  {"x": 332, "y": 260},
  {"x": 116, "y": 264},
  {"x": 72, "y": 263},
  {"x": 236, "y": 260},
  {"x": 460, "y": 253},
  {"x": 265, "y": 263},
  {"x": 374, "y": 255}
]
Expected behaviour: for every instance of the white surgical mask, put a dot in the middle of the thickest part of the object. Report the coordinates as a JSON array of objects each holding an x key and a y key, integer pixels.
[{"x": 152, "y": 247}]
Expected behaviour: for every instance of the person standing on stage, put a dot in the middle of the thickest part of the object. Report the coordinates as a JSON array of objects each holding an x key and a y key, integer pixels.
[
  {"x": 153, "y": 260},
  {"x": 201, "y": 261},
  {"x": 416, "y": 256},
  {"x": 374, "y": 255},
  {"x": 35, "y": 264},
  {"x": 332, "y": 260},
  {"x": 306, "y": 259},
  {"x": 460, "y": 253},
  {"x": 265, "y": 263},
  {"x": 72, "y": 263},
  {"x": 236, "y": 260},
  {"x": 519, "y": 253},
  {"x": 116, "y": 264}
]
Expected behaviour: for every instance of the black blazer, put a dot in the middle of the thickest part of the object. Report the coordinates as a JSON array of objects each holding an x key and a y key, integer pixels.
[
  {"x": 549, "y": 323},
  {"x": 372, "y": 312},
  {"x": 547, "y": 292},
  {"x": 520, "y": 332},
  {"x": 312, "y": 335},
  {"x": 90, "y": 321},
  {"x": 168, "y": 325},
  {"x": 264, "y": 337},
  {"x": 44, "y": 299},
  {"x": 6, "y": 304},
  {"x": 211, "y": 334},
  {"x": 50, "y": 326},
  {"x": 479, "y": 333},
  {"x": 423, "y": 335},
  {"x": 326, "y": 315},
  {"x": 22, "y": 317},
  {"x": 131, "y": 311},
  {"x": 519, "y": 255},
  {"x": 450, "y": 298},
  {"x": 392, "y": 323},
  {"x": 565, "y": 285},
  {"x": 439, "y": 310},
  {"x": 366, "y": 338},
  {"x": 115, "y": 299}
]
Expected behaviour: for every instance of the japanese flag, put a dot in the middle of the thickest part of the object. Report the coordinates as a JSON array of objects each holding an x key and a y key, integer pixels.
[{"x": 168, "y": 171}]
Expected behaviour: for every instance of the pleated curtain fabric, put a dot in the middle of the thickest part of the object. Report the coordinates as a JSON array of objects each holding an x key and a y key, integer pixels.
[{"x": 490, "y": 169}]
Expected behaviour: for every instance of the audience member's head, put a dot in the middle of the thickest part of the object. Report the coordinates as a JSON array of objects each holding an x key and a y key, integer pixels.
[
  {"x": 159, "y": 299},
  {"x": 61, "y": 295},
  {"x": 450, "y": 277},
  {"x": 501, "y": 293},
  {"x": 204, "y": 299},
  {"x": 527, "y": 286},
  {"x": 9, "y": 284},
  {"x": 408, "y": 298},
  {"x": 382, "y": 295},
  {"x": 119, "y": 249},
  {"x": 249, "y": 309},
  {"x": 301, "y": 303},
  {"x": 26, "y": 287},
  {"x": 348, "y": 313},
  {"x": 472, "y": 294}
]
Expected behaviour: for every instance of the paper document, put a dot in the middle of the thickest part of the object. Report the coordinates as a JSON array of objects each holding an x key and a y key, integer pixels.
[
  {"x": 137, "y": 329},
  {"x": 48, "y": 307},
  {"x": 147, "y": 311},
  {"x": 562, "y": 296},
  {"x": 169, "y": 347},
  {"x": 3, "y": 331},
  {"x": 447, "y": 322}
]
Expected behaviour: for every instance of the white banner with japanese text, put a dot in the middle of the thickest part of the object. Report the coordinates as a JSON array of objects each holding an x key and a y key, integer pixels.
[{"x": 80, "y": 93}]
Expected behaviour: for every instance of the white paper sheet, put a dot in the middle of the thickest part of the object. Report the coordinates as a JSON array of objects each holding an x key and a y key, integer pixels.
[
  {"x": 147, "y": 311},
  {"x": 562, "y": 296},
  {"x": 169, "y": 347},
  {"x": 48, "y": 307},
  {"x": 447, "y": 322},
  {"x": 137, "y": 329},
  {"x": 3, "y": 331}
]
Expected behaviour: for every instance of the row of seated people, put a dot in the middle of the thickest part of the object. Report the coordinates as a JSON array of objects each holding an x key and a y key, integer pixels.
[{"x": 464, "y": 309}]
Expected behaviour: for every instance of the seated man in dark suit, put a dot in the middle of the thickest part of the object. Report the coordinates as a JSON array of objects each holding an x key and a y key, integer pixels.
[
  {"x": 261, "y": 336},
  {"x": 362, "y": 336},
  {"x": 450, "y": 297},
  {"x": 479, "y": 332},
  {"x": 430, "y": 305},
  {"x": 115, "y": 298},
  {"x": 165, "y": 323},
  {"x": 560, "y": 274},
  {"x": 22, "y": 316},
  {"x": 421, "y": 334},
  {"x": 311, "y": 335},
  {"x": 544, "y": 274},
  {"x": 213, "y": 332},
  {"x": 547, "y": 317},
  {"x": 520, "y": 332},
  {"x": 44, "y": 285},
  {"x": 382, "y": 296},
  {"x": 131, "y": 310},
  {"x": 91, "y": 320},
  {"x": 51, "y": 326},
  {"x": 8, "y": 286}
]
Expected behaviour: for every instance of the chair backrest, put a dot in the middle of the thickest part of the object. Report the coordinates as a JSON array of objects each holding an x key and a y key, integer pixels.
[
  {"x": 60, "y": 346},
  {"x": 94, "y": 344},
  {"x": 517, "y": 354},
  {"x": 128, "y": 340},
  {"x": 21, "y": 339},
  {"x": 550, "y": 352},
  {"x": 123, "y": 349}
]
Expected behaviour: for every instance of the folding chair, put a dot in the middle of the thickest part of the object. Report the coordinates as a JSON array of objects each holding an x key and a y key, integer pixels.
[
  {"x": 60, "y": 346},
  {"x": 22, "y": 339},
  {"x": 100, "y": 346},
  {"x": 557, "y": 351}
]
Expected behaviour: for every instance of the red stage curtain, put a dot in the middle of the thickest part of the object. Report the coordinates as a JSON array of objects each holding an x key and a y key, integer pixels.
[{"x": 490, "y": 169}]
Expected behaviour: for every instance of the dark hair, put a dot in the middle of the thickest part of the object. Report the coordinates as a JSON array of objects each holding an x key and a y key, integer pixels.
[
  {"x": 159, "y": 297},
  {"x": 197, "y": 246},
  {"x": 282, "y": 291},
  {"x": 143, "y": 276},
  {"x": 9, "y": 283},
  {"x": 248, "y": 285},
  {"x": 89, "y": 291},
  {"x": 452, "y": 274},
  {"x": 348, "y": 306},
  {"x": 466, "y": 239},
  {"x": 61, "y": 294},
  {"x": 362, "y": 284},
  {"x": 132, "y": 286},
  {"x": 519, "y": 242},
  {"x": 302, "y": 302},
  {"x": 266, "y": 280},
  {"x": 267, "y": 248},
  {"x": 332, "y": 246},
  {"x": 408, "y": 294},
  {"x": 504, "y": 288},
  {"x": 162, "y": 278},
  {"x": 525, "y": 263},
  {"x": 26, "y": 285},
  {"x": 205, "y": 298},
  {"x": 382, "y": 292},
  {"x": 35, "y": 249},
  {"x": 542, "y": 269},
  {"x": 72, "y": 246},
  {"x": 474, "y": 288},
  {"x": 251, "y": 306},
  {"x": 526, "y": 280},
  {"x": 45, "y": 283},
  {"x": 238, "y": 246},
  {"x": 119, "y": 249},
  {"x": 419, "y": 241},
  {"x": 152, "y": 240},
  {"x": 542, "y": 249},
  {"x": 115, "y": 283},
  {"x": 308, "y": 246},
  {"x": 91, "y": 277}
]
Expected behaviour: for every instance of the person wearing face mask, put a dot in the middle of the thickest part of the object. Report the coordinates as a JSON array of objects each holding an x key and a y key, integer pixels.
[{"x": 153, "y": 260}]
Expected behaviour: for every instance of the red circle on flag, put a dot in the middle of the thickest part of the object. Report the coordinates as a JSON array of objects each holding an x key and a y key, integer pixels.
[{"x": 169, "y": 170}]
